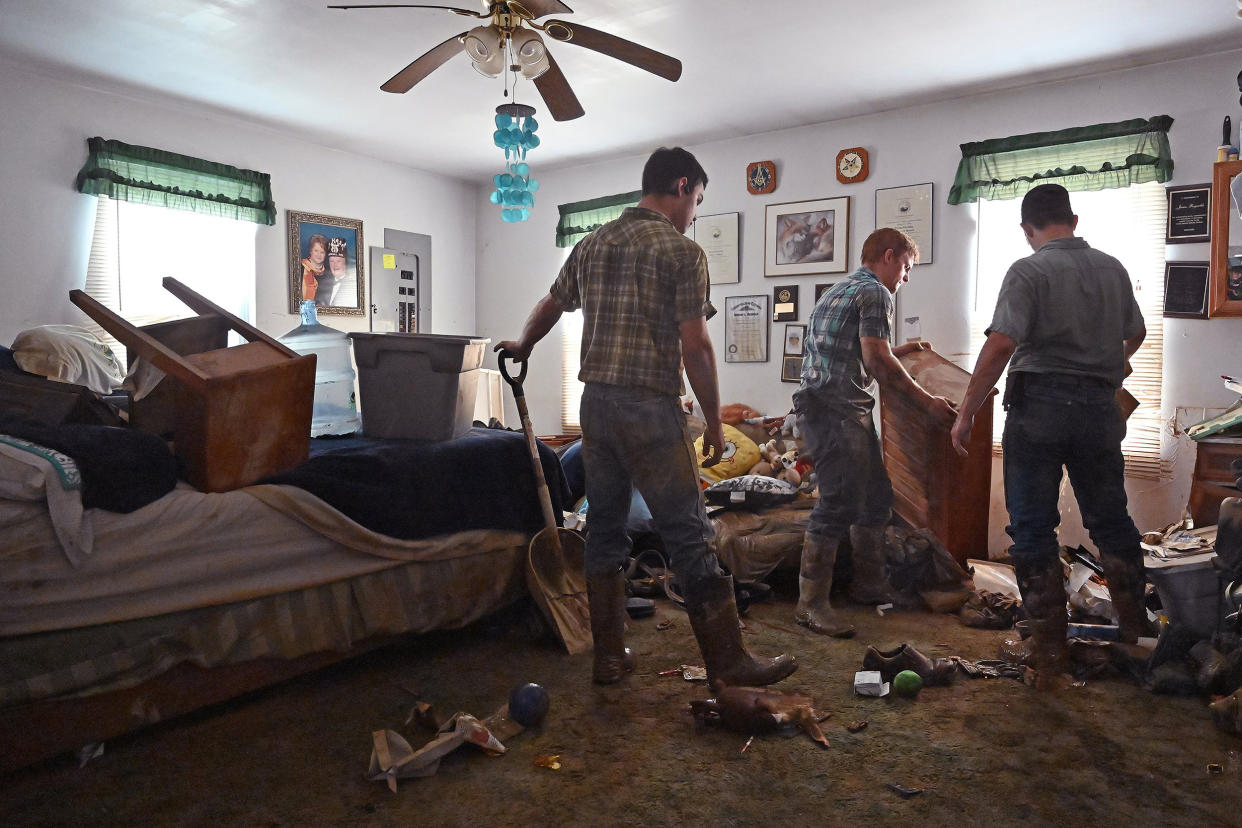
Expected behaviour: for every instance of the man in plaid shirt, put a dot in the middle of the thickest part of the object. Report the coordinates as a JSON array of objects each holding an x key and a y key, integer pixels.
[
  {"x": 847, "y": 345},
  {"x": 642, "y": 288}
]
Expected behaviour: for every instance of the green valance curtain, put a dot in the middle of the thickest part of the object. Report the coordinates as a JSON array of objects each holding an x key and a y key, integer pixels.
[
  {"x": 582, "y": 217},
  {"x": 1094, "y": 157},
  {"x": 151, "y": 176}
]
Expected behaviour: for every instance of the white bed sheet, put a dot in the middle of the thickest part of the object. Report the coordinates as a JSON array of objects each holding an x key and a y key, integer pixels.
[{"x": 189, "y": 550}]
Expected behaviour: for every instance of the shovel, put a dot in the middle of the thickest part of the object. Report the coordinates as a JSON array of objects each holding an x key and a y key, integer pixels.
[{"x": 554, "y": 564}]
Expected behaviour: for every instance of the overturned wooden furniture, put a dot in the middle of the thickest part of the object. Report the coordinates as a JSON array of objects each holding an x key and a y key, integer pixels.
[
  {"x": 236, "y": 414},
  {"x": 934, "y": 487}
]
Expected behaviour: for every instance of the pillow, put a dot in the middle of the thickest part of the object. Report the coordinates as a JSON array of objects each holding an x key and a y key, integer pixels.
[
  {"x": 750, "y": 491},
  {"x": 738, "y": 455},
  {"x": 69, "y": 354}
]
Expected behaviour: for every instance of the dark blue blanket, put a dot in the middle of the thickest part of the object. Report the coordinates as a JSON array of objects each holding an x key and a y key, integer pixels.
[{"x": 411, "y": 489}]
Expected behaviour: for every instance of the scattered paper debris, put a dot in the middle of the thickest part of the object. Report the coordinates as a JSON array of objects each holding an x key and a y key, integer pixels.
[
  {"x": 904, "y": 791},
  {"x": 551, "y": 761},
  {"x": 880, "y": 609}
]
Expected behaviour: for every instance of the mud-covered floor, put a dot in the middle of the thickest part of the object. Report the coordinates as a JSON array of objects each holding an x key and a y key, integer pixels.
[{"x": 983, "y": 751}]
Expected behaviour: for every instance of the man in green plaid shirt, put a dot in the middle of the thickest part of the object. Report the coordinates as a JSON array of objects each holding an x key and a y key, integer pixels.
[
  {"x": 642, "y": 288},
  {"x": 847, "y": 345}
]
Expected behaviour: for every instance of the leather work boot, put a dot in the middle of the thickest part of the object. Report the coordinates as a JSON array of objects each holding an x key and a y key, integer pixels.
[
  {"x": 891, "y": 662},
  {"x": 819, "y": 556},
  {"x": 713, "y": 616},
  {"x": 870, "y": 584},
  {"x": 606, "y": 597},
  {"x": 1125, "y": 577},
  {"x": 1042, "y": 585}
]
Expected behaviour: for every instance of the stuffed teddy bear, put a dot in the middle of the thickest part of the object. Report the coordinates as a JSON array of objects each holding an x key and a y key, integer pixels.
[{"x": 782, "y": 466}]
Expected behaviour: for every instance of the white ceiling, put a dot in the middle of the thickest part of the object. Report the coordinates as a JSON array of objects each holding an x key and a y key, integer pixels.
[{"x": 750, "y": 66}]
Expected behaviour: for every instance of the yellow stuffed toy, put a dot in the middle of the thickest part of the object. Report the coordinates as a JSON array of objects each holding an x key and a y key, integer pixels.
[{"x": 737, "y": 455}]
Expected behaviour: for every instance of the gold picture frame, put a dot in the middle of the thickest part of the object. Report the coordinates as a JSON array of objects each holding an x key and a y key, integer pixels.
[{"x": 335, "y": 290}]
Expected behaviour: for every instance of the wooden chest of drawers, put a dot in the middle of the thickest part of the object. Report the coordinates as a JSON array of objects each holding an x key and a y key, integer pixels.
[
  {"x": 933, "y": 487},
  {"x": 1213, "y": 479}
]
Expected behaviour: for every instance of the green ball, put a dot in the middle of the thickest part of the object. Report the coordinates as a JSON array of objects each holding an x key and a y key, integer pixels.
[{"x": 907, "y": 683}]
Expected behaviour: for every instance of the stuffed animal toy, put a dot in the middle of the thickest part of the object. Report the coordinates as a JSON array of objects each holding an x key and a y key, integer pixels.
[{"x": 782, "y": 466}]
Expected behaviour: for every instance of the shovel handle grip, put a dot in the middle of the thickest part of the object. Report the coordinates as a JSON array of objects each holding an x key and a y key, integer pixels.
[{"x": 514, "y": 382}]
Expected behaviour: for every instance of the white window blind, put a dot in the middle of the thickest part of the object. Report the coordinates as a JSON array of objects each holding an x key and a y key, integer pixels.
[
  {"x": 571, "y": 387},
  {"x": 1127, "y": 223}
]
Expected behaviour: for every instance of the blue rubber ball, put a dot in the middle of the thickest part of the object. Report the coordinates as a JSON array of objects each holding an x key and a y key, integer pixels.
[{"x": 528, "y": 704}]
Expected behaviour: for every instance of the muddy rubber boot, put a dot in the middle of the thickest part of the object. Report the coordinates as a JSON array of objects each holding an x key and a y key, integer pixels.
[
  {"x": 819, "y": 556},
  {"x": 870, "y": 584},
  {"x": 606, "y": 597},
  {"x": 1125, "y": 578},
  {"x": 1042, "y": 585},
  {"x": 713, "y": 616}
]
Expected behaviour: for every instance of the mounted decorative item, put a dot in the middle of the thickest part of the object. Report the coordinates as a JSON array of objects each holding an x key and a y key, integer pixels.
[
  {"x": 1189, "y": 214},
  {"x": 908, "y": 209},
  {"x": 1225, "y": 290},
  {"x": 325, "y": 263},
  {"x": 785, "y": 303},
  {"x": 761, "y": 177},
  {"x": 807, "y": 237},
  {"x": 1186, "y": 290},
  {"x": 718, "y": 236},
  {"x": 515, "y": 134},
  {"x": 746, "y": 329},
  {"x": 852, "y": 165}
]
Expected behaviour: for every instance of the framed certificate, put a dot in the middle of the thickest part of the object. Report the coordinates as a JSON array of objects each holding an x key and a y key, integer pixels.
[
  {"x": 746, "y": 328},
  {"x": 718, "y": 236},
  {"x": 908, "y": 209}
]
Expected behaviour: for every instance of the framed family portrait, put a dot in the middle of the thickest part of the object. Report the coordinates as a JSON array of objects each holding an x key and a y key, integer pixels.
[
  {"x": 326, "y": 263},
  {"x": 803, "y": 237}
]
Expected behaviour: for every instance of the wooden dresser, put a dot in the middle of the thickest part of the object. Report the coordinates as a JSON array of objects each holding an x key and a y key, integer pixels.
[
  {"x": 933, "y": 487},
  {"x": 1213, "y": 480}
]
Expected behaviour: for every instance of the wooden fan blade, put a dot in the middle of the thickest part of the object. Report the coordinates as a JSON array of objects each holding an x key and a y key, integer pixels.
[
  {"x": 542, "y": 8},
  {"x": 424, "y": 65},
  {"x": 655, "y": 62},
  {"x": 410, "y": 6},
  {"x": 561, "y": 100}
]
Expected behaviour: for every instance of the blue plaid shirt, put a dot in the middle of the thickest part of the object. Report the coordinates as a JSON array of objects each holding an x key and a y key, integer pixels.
[{"x": 832, "y": 365}]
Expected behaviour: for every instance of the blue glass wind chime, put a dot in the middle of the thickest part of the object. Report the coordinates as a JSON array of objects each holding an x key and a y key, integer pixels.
[{"x": 515, "y": 134}]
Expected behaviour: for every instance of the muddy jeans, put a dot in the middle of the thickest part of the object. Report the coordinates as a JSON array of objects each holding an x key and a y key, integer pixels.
[
  {"x": 1060, "y": 421},
  {"x": 849, "y": 466},
  {"x": 637, "y": 438}
]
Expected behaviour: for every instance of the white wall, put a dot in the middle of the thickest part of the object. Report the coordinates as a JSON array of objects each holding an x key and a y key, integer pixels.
[
  {"x": 45, "y": 225},
  {"x": 518, "y": 262}
]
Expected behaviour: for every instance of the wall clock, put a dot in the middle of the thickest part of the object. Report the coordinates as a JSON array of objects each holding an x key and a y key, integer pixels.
[
  {"x": 761, "y": 177},
  {"x": 852, "y": 165}
]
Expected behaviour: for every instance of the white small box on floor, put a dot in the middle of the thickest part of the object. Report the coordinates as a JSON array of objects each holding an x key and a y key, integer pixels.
[{"x": 869, "y": 683}]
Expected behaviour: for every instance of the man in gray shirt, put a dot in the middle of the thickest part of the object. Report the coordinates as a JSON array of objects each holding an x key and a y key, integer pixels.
[{"x": 1066, "y": 321}]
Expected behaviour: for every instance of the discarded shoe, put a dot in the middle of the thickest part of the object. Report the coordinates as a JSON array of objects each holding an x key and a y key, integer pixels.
[{"x": 891, "y": 662}]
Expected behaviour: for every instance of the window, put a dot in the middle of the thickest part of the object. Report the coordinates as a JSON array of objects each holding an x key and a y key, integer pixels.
[
  {"x": 1128, "y": 223},
  {"x": 134, "y": 246},
  {"x": 571, "y": 386}
]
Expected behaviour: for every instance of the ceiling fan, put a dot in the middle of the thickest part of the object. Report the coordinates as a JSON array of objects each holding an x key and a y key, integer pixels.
[{"x": 513, "y": 29}]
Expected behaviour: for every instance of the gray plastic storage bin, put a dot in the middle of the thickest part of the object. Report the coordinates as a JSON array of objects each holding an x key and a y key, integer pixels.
[
  {"x": 1189, "y": 591},
  {"x": 417, "y": 386}
]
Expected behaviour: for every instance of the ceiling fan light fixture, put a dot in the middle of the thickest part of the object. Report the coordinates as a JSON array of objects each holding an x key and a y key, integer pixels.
[
  {"x": 486, "y": 50},
  {"x": 530, "y": 53}
]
